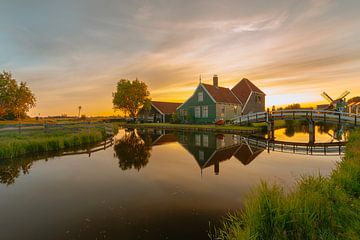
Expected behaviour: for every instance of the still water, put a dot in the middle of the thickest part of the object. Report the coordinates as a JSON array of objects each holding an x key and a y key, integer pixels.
[{"x": 148, "y": 185}]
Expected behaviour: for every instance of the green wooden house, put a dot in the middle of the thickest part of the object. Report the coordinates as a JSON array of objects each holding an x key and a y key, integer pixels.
[{"x": 210, "y": 103}]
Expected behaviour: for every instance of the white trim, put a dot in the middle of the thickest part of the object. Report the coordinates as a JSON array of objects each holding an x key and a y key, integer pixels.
[
  {"x": 157, "y": 109},
  {"x": 237, "y": 98},
  {"x": 200, "y": 85},
  {"x": 212, "y": 98},
  {"x": 247, "y": 102}
]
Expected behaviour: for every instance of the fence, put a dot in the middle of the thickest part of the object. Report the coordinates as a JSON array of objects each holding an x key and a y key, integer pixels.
[{"x": 46, "y": 127}]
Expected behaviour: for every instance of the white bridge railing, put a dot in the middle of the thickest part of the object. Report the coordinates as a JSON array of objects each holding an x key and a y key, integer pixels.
[
  {"x": 333, "y": 148},
  {"x": 299, "y": 114}
]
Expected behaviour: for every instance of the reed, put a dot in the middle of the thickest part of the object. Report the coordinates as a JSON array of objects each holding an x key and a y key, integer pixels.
[
  {"x": 317, "y": 208},
  {"x": 13, "y": 145}
]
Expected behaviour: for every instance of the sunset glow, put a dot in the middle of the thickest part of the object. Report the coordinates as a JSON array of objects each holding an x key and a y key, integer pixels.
[{"x": 72, "y": 53}]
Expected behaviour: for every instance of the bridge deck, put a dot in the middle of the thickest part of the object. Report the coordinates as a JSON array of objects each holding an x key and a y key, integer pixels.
[{"x": 299, "y": 114}]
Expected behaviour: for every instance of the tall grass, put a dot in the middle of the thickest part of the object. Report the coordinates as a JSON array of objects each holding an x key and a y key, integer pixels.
[
  {"x": 317, "y": 208},
  {"x": 33, "y": 143}
]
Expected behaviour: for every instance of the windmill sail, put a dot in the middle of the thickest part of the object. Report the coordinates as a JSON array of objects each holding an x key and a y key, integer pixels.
[
  {"x": 344, "y": 94},
  {"x": 327, "y": 97}
]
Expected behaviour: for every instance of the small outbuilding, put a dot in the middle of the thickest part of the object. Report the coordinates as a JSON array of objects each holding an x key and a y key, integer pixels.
[{"x": 160, "y": 112}]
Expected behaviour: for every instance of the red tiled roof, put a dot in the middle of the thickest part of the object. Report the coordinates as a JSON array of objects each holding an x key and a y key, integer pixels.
[
  {"x": 166, "y": 107},
  {"x": 243, "y": 89},
  {"x": 221, "y": 94}
]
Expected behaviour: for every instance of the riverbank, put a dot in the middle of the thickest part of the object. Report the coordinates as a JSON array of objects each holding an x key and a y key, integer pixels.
[
  {"x": 195, "y": 127},
  {"x": 317, "y": 208},
  {"x": 14, "y": 145}
]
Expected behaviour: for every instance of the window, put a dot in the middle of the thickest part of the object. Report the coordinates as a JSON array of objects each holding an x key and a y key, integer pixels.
[
  {"x": 258, "y": 99},
  {"x": 200, "y": 96},
  {"x": 206, "y": 140},
  {"x": 197, "y": 112},
  {"x": 201, "y": 155},
  {"x": 182, "y": 112},
  {"x": 197, "y": 140},
  {"x": 222, "y": 111},
  {"x": 235, "y": 110},
  {"x": 205, "y": 111}
]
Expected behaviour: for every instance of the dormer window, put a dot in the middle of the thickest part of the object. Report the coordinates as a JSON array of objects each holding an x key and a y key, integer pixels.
[{"x": 200, "y": 96}]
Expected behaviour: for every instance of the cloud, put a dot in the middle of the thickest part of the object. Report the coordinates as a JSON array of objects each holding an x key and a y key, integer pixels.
[{"x": 71, "y": 51}]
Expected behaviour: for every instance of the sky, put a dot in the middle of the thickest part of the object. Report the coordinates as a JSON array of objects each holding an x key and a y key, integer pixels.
[{"x": 72, "y": 52}]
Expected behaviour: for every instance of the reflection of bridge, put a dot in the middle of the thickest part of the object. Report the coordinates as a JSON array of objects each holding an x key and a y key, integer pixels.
[{"x": 324, "y": 149}]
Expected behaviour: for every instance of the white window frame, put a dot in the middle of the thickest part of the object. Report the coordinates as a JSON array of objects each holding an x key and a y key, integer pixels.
[
  {"x": 201, "y": 155},
  {"x": 205, "y": 139},
  {"x": 200, "y": 96},
  {"x": 197, "y": 112},
  {"x": 205, "y": 111},
  {"x": 197, "y": 140}
]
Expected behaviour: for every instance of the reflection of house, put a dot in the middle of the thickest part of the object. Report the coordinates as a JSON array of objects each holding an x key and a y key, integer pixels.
[
  {"x": 210, "y": 103},
  {"x": 210, "y": 149},
  {"x": 156, "y": 137},
  {"x": 159, "y": 112},
  {"x": 246, "y": 154}
]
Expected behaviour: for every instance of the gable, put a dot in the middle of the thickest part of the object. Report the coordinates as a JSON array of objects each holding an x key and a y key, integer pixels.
[
  {"x": 193, "y": 100},
  {"x": 243, "y": 90}
]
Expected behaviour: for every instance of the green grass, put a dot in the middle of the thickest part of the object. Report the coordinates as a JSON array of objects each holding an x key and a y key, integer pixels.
[
  {"x": 13, "y": 145},
  {"x": 192, "y": 126},
  {"x": 317, "y": 208}
]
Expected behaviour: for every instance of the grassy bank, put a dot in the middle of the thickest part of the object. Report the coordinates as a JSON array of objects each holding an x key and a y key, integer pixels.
[
  {"x": 14, "y": 145},
  {"x": 193, "y": 126},
  {"x": 317, "y": 208}
]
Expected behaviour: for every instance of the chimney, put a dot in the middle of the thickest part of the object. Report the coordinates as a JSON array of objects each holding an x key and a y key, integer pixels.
[{"x": 216, "y": 81}]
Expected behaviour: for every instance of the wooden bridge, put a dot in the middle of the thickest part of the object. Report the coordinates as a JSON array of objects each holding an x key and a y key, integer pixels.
[
  {"x": 325, "y": 116},
  {"x": 323, "y": 149}
]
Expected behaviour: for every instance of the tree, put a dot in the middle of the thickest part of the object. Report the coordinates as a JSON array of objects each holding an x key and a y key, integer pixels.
[
  {"x": 15, "y": 99},
  {"x": 131, "y": 96}
]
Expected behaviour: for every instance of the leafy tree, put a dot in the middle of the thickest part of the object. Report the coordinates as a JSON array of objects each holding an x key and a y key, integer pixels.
[
  {"x": 131, "y": 96},
  {"x": 15, "y": 99}
]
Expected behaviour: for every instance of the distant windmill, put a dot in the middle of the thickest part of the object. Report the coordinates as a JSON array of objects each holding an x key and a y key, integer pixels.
[{"x": 337, "y": 104}]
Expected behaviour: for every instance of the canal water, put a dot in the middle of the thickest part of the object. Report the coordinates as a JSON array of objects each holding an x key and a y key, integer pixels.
[{"x": 150, "y": 184}]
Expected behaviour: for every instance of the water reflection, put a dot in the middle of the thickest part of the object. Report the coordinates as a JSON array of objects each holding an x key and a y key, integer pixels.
[
  {"x": 10, "y": 170},
  {"x": 132, "y": 150}
]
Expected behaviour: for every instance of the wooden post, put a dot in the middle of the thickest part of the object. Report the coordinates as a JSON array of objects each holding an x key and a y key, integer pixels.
[
  {"x": 19, "y": 126},
  {"x": 355, "y": 119}
]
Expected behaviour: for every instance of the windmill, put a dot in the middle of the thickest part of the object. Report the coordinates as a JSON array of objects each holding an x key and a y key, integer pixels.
[{"x": 337, "y": 104}]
